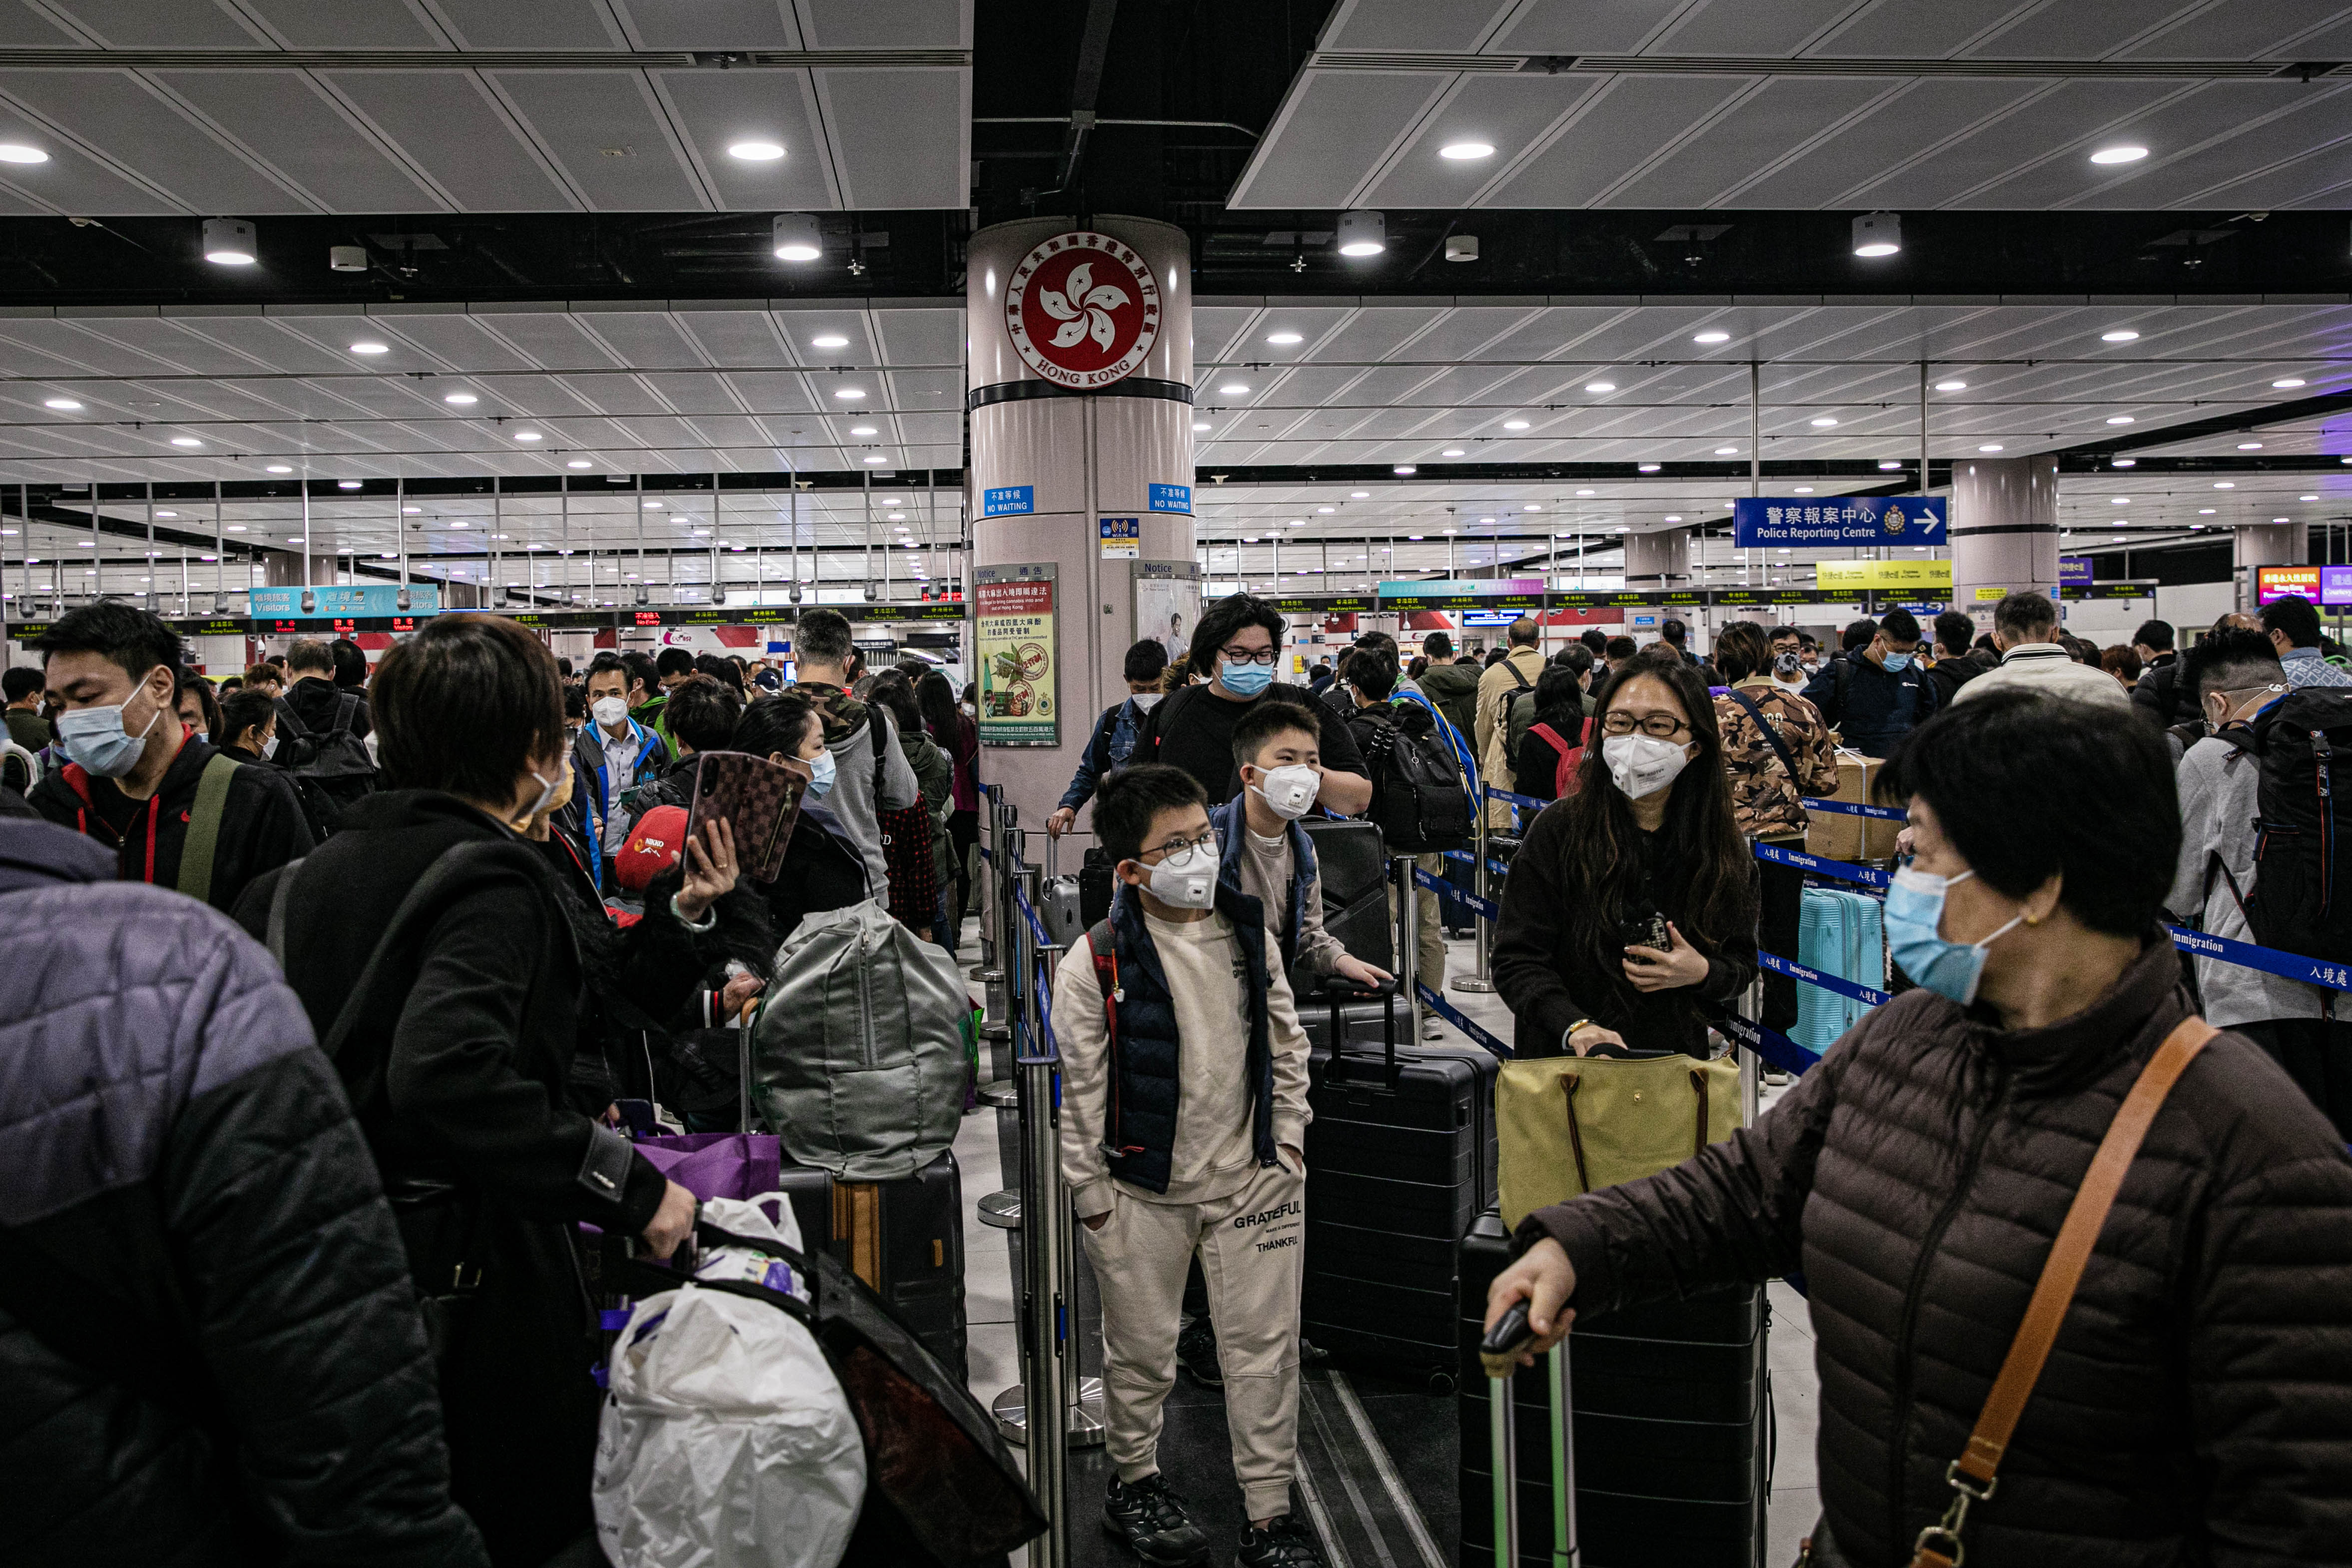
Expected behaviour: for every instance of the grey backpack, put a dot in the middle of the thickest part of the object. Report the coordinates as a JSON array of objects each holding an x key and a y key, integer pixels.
[{"x": 860, "y": 1046}]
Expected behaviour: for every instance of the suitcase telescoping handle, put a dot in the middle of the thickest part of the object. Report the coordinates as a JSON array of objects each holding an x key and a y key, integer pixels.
[
  {"x": 1339, "y": 992},
  {"x": 1498, "y": 1354}
]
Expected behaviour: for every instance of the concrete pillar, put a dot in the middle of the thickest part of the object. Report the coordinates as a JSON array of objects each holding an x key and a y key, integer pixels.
[
  {"x": 1098, "y": 425},
  {"x": 1659, "y": 560},
  {"x": 2265, "y": 544},
  {"x": 2004, "y": 531}
]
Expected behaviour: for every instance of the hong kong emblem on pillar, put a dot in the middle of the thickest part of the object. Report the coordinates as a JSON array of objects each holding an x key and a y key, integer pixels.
[{"x": 1083, "y": 310}]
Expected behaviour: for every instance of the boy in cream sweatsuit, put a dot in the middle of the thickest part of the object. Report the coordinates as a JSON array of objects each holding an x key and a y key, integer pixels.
[{"x": 1183, "y": 1120}]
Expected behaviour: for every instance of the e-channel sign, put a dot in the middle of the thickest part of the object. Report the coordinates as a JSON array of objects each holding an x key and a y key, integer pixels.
[
  {"x": 1008, "y": 501},
  {"x": 1838, "y": 520}
]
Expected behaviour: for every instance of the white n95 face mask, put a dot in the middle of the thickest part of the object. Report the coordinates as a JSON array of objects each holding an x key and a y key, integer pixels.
[
  {"x": 1290, "y": 791},
  {"x": 1187, "y": 880},
  {"x": 608, "y": 711},
  {"x": 1643, "y": 765}
]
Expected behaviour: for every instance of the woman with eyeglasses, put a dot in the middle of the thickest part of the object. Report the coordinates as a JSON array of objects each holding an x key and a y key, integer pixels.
[
  {"x": 1629, "y": 918},
  {"x": 1238, "y": 646}
]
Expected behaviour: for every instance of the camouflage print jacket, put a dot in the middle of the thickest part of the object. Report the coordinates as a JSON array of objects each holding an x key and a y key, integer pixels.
[{"x": 1764, "y": 799}]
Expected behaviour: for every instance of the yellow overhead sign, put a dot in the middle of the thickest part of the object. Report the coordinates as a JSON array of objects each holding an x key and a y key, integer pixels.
[{"x": 1857, "y": 576}]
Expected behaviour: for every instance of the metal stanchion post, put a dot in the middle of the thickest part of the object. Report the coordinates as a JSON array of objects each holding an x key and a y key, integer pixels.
[
  {"x": 1563, "y": 1462},
  {"x": 1050, "y": 1365},
  {"x": 995, "y": 950},
  {"x": 1482, "y": 930},
  {"x": 1502, "y": 1442},
  {"x": 1408, "y": 943}
]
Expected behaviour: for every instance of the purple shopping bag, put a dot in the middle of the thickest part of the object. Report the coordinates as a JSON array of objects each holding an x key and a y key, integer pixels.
[{"x": 718, "y": 1164}]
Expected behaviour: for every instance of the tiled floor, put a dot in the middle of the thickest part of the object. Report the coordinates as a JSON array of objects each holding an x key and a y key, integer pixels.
[{"x": 1376, "y": 1528}]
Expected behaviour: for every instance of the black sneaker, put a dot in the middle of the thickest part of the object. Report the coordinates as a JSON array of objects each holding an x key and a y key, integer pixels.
[
  {"x": 1196, "y": 1353},
  {"x": 1286, "y": 1543},
  {"x": 1151, "y": 1518},
  {"x": 1309, "y": 1355}
]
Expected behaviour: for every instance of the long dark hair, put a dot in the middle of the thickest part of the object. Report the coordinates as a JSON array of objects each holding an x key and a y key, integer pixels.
[
  {"x": 1698, "y": 848},
  {"x": 935, "y": 695}
]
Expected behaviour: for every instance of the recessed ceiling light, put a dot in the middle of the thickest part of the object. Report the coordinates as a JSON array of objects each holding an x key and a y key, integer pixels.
[
  {"x": 1404, "y": 469},
  {"x": 1584, "y": 492},
  {"x": 529, "y": 435},
  {"x": 2282, "y": 520},
  {"x": 2119, "y": 501},
  {"x": 2250, "y": 446},
  {"x": 1453, "y": 452},
  {"x": 1712, "y": 336},
  {"x": 1989, "y": 446},
  {"x": 280, "y": 469},
  {"x": 1514, "y": 424},
  {"x": 63, "y": 404},
  {"x": 459, "y": 525},
  {"x": 1727, "y": 451},
  {"x": 86, "y": 544},
  {"x": 2125, "y": 463},
  {"x": 875, "y": 457},
  {"x": 1649, "y": 467},
  {"x": 2285, "y": 382},
  {"x": 2306, "y": 498},
  {"x": 1284, "y": 339},
  {"x": 1327, "y": 509},
  {"x": 1296, "y": 522},
  {"x": 1531, "y": 506},
  {"x": 411, "y": 510},
  {"x": 2119, "y": 418},
  {"x": 755, "y": 152},
  {"x": 1951, "y": 386},
  {"x": 1600, "y": 386},
  {"x": 1804, "y": 490},
  {"x": 2225, "y": 484},
  {"x": 1233, "y": 389},
  {"x": 579, "y": 463},
  {"x": 653, "y": 506},
  {"x": 1485, "y": 519},
  {"x": 862, "y": 430},
  {"x": 1449, "y": 531},
  {"x": 1674, "y": 517},
  {"x": 1887, "y": 464},
  {"x": 167, "y": 514},
  {"x": 2205, "y": 511},
  {"x": 347, "y": 484},
  {"x": 370, "y": 347},
  {"x": 2120, "y": 335},
  {"x": 2118, "y": 155},
  {"x": 850, "y": 394},
  {"x": 1463, "y": 151},
  {"x": 460, "y": 399},
  {"x": 18, "y": 152},
  {"x": 186, "y": 441},
  {"x": 1823, "y": 422}
]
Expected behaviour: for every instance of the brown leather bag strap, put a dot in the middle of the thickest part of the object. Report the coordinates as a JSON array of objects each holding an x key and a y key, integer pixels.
[
  {"x": 1575, "y": 1133},
  {"x": 1972, "y": 1474}
]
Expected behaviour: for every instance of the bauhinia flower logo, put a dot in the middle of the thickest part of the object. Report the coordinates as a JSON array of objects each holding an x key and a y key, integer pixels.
[
  {"x": 1083, "y": 309},
  {"x": 1082, "y": 306}
]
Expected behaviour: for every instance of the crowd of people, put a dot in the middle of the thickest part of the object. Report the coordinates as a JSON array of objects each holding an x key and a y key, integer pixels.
[{"x": 305, "y": 1182}]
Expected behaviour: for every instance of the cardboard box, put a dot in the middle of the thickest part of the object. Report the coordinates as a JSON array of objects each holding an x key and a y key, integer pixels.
[{"x": 1841, "y": 835}]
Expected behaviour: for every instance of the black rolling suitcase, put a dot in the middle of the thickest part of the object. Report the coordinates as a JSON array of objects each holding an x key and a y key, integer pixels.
[
  {"x": 1400, "y": 1158},
  {"x": 1672, "y": 1429},
  {"x": 903, "y": 1239}
]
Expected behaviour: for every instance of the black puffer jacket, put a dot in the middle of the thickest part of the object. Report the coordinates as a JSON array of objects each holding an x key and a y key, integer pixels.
[
  {"x": 182, "y": 1186},
  {"x": 2196, "y": 1407}
]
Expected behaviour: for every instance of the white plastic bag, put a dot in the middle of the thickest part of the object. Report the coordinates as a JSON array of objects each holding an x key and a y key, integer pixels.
[{"x": 726, "y": 1441}]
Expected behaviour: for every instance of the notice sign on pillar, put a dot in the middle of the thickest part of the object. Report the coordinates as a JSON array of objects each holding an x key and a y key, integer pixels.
[
  {"x": 1838, "y": 520},
  {"x": 1019, "y": 701},
  {"x": 1122, "y": 538}
]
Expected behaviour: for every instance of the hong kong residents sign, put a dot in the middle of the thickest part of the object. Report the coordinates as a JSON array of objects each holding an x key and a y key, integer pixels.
[
  {"x": 1839, "y": 520},
  {"x": 1083, "y": 310}
]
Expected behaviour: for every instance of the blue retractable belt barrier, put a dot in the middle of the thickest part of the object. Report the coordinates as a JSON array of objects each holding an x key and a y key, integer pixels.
[
  {"x": 1445, "y": 890},
  {"x": 1497, "y": 867},
  {"x": 1839, "y": 984},
  {"x": 2270, "y": 961},
  {"x": 1772, "y": 1046},
  {"x": 1524, "y": 802},
  {"x": 1454, "y": 1015},
  {"x": 1856, "y": 808},
  {"x": 1841, "y": 870}
]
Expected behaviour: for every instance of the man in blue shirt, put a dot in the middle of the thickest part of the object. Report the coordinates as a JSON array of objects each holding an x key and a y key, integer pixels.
[
  {"x": 2294, "y": 630},
  {"x": 1877, "y": 693},
  {"x": 1113, "y": 740}
]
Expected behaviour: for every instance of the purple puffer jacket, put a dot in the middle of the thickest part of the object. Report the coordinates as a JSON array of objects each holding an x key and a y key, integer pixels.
[{"x": 209, "y": 1346}]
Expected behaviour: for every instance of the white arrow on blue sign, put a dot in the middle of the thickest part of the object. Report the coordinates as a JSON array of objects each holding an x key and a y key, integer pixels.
[{"x": 1839, "y": 520}]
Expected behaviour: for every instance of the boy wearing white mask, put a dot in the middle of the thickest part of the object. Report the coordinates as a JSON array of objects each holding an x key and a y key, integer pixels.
[
  {"x": 1183, "y": 1121},
  {"x": 1265, "y": 854},
  {"x": 613, "y": 755}
]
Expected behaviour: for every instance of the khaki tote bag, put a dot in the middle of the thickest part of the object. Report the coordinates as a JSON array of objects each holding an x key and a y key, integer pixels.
[{"x": 1570, "y": 1125}]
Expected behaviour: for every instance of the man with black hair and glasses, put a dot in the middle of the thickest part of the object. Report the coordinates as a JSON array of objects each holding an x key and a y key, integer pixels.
[
  {"x": 138, "y": 780},
  {"x": 1237, "y": 645}
]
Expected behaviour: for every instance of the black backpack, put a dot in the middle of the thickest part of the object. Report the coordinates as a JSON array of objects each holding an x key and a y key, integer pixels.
[
  {"x": 1418, "y": 798},
  {"x": 2302, "y": 901},
  {"x": 331, "y": 768}
]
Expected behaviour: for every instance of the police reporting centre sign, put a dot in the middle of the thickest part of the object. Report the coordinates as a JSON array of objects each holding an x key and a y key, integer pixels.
[{"x": 1839, "y": 520}]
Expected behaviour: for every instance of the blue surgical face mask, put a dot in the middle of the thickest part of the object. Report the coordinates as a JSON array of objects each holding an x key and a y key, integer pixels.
[
  {"x": 1897, "y": 663},
  {"x": 1244, "y": 679},
  {"x": 1914, "y": 921},
  {"x": 95, "y": 738},
  {"x": 821, "y": 767}
]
